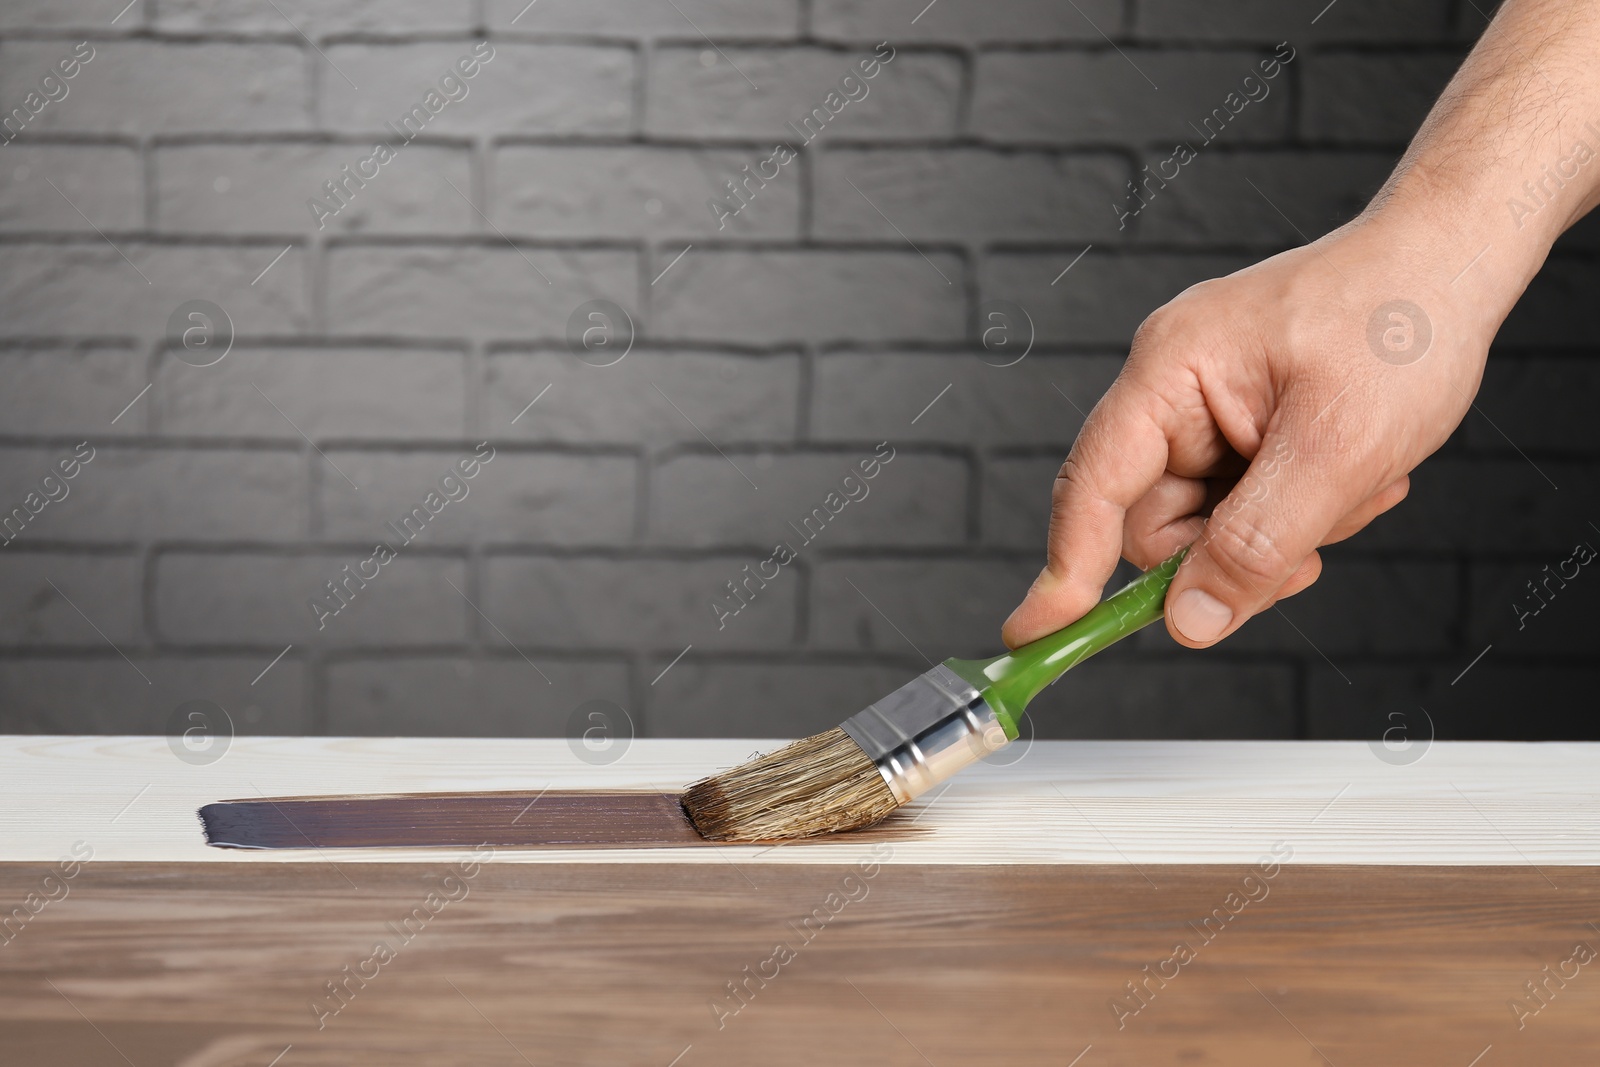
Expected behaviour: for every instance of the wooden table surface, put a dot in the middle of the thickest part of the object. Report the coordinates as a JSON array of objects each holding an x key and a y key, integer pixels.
[{"x": 1271, "y": 903}]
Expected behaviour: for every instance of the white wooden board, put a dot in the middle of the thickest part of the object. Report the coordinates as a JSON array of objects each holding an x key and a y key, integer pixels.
[{"x": 1144, "y": 803}]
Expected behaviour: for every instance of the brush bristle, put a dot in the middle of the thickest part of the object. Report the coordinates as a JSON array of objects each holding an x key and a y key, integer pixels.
[{"x": 822, "y": 784}]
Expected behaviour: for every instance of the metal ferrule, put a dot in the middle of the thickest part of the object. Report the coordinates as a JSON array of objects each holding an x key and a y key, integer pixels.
[{"x": 925, "y": 731}]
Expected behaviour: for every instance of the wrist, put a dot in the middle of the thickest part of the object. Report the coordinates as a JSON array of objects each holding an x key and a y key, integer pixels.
[{"x": 1466, "y": 253}]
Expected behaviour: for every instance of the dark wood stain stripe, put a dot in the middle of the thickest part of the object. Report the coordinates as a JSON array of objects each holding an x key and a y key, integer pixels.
[
  {"x": 513, "y": 820},
  {"x": 551, "y": 819}
]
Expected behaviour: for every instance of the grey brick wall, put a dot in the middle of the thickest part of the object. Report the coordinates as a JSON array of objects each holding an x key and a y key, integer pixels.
[{"x": 770, "y": 353}]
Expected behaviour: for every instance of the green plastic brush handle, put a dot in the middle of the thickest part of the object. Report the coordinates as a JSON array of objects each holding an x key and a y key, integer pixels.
[{"x": 1008, "y": 682}]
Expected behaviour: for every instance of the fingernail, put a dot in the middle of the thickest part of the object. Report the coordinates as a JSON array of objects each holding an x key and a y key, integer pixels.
[{"x": 1199, "y": 616}]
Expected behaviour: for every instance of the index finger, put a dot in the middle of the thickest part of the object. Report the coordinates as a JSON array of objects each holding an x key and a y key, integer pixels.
[{"x": 1119, "y": 455}]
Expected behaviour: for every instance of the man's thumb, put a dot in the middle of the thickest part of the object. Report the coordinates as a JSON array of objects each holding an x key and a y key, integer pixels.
[{"x": 1254, "y": 542}]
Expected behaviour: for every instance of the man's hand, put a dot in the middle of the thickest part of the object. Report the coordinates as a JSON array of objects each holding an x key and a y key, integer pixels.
[
  {"x": 1289, "y": 401},
  {"x": 1262, "y": 415}
]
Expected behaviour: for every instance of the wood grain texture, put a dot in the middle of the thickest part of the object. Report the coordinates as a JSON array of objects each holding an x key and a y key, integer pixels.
[
  {"x": 1334, "y": 909},
  {"x": 223, "y": 966},
  {"x": 1061, "y": 802}
]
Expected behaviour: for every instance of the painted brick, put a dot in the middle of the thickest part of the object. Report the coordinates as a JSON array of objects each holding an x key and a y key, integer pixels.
[
  {"x": 76, "y": 391},
  {"x": 1063, "y": 97},
  {"x": 927, "y": 608},
  {"x": 972, "y": 195},
  {"x": 1103, "y": 298},
  {"x": 323, "y": 392},
  {"x": 1015, "y": 508},
  {"x": 68, "y": 14},
  {"x": 432, "y": 696},
  {"x": 524, "y": 88},
  {"x": 1497, "y": 699},
  {"x": 244, "y": 599},
  {"x": 147, "y": 87},
  {"x": 766, "y": 297},
  {"x": 1550, "y": 617},
  {"x": 995, "y": 127},
  {"x": 105, "y": 695},
  {"x": 1471, "y": 20},
  {"x": 481, "y": 290},
  {"x": 264, "y": 188},
  {"x": 963, "y": 24},
  {"x": 640, "y": 603},
  {"x": 99, "y": 180},
  {"x": 128, "y": 494},
  {"x": 774, "y": 698},
  {"x": 645, "y": 18},
  {"x": 700, "y": 499},
  {"x": 916, "y": 95},
  {"x": 1583, "y": 236},
  {"x": 1541, "y": 405},
  {"x": 1361, "y": 608},
  {"x": 106, "y": 589},
  {"x": 315, "y": 18},
  {"x": 1374, "y": 21},
  {"x": 1111, "y": 697},
  {"x": 1104, "y": 699},
  {"x": 1372, "y": 99},
  {"x": 81, "y": 288},
  {"x": 1211, "y": 200},
  {"x": 1040, "y": 400},
  {"x": 629, "y": 192},
  {"x": 729, "y": 397},
  {"x": 1489, "y": 505},
  {"x": 517, "y": 497},
  {"x": 1555, "y": 309}
]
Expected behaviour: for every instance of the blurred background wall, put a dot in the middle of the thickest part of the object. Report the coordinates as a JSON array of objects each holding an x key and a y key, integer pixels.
[{"x": 347, "y": 357}]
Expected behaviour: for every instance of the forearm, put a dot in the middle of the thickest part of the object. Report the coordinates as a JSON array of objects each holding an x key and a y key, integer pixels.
[{"x": 1508, "y": 158}]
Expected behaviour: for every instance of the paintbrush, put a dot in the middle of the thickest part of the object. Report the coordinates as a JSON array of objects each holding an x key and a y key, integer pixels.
[{"x": 916, "y": 737}]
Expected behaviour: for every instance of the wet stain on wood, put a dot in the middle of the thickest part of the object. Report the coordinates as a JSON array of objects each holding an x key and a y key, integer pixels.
[{"x": 551, "y": 819}]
